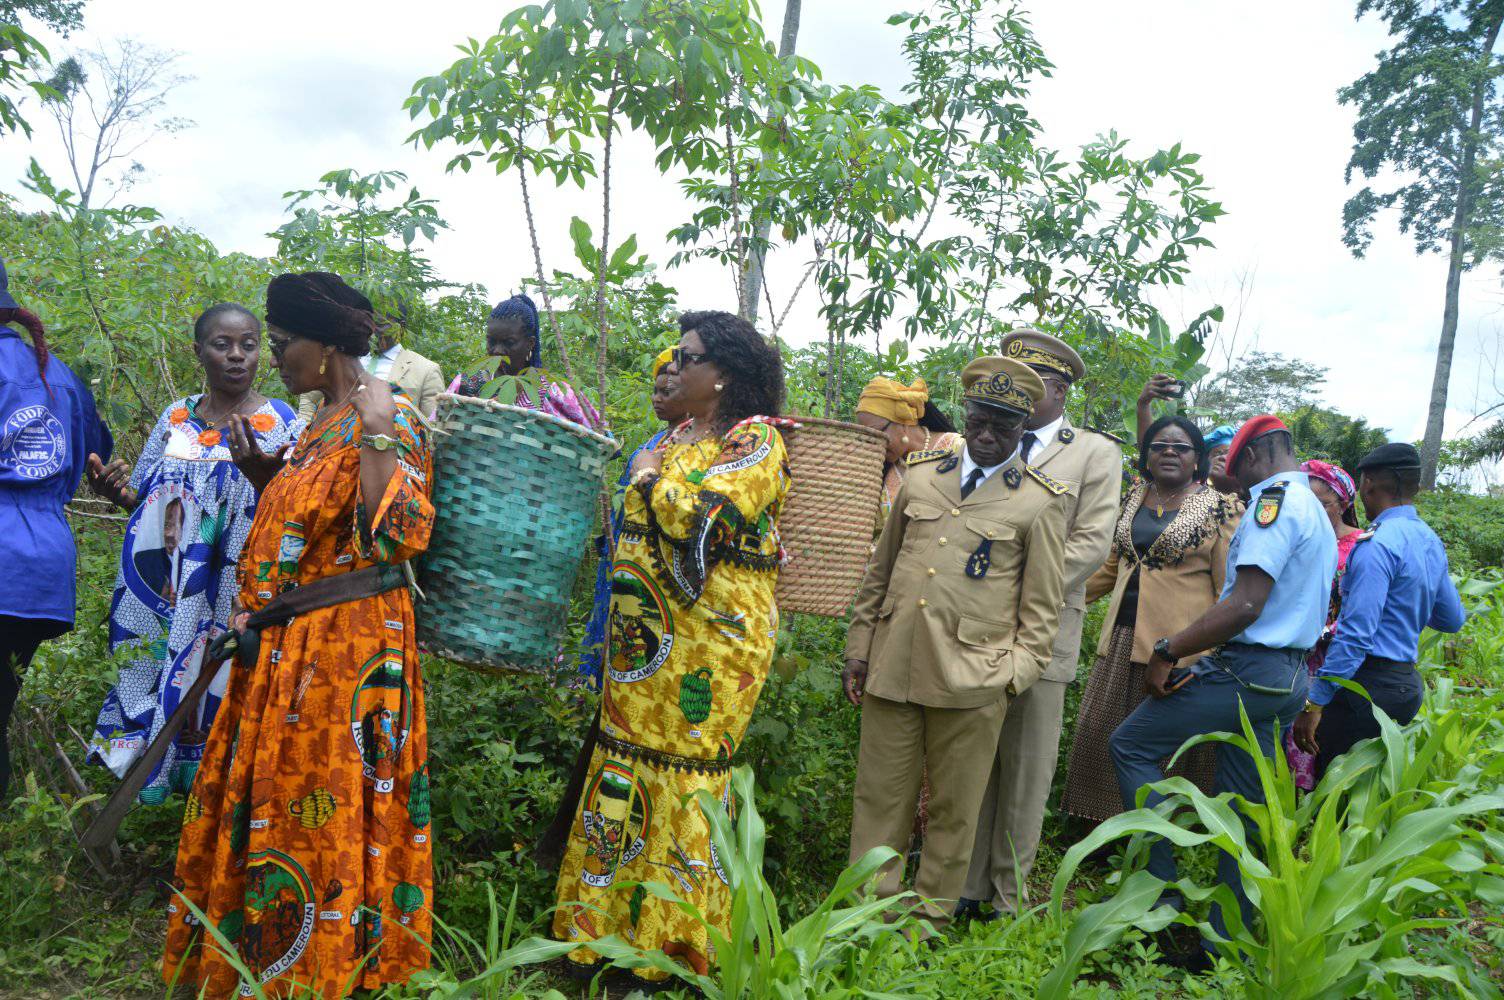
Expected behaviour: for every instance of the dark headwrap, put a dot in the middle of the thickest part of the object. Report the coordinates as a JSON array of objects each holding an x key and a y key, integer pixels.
[
  {"x": 6, "y": 301},
  {"x": 11, "y": 312},
  {"x": 320, "y": 306},
  {"x": 521, "y": 309}
]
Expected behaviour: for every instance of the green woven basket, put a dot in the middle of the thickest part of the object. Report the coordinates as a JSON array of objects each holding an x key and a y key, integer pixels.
[{"x": 515, "y": 500}]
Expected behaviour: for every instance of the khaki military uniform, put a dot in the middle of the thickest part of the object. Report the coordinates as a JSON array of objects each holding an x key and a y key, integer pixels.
[
  {"x": 1013, "y": 804},
  {"x": 956, "y": 615},
  {"x": 411, "y": 372}
]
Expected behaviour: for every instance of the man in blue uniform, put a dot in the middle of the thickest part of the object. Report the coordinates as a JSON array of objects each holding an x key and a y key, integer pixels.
[
  {"x": 1280, "y": 565},
  {"x": 1396, "y": 584}
]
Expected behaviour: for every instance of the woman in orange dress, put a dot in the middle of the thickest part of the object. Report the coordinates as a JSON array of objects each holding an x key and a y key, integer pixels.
[{"x": 306, "y": 836}]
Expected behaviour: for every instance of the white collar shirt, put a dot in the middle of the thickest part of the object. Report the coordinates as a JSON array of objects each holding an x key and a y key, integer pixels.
[
  {"x": 380, "y": 365},
  {"x": 1043, "y": 436},
  {"x": 967, "y": 465}
]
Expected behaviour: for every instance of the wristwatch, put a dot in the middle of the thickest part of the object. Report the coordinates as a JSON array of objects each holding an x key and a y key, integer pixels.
[
  {"x": 1162, "y": 649},
  {"x": 378, "y": 442}
]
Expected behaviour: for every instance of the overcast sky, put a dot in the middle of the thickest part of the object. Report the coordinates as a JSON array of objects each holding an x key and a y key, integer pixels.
[{"x": 284, "y": 91}]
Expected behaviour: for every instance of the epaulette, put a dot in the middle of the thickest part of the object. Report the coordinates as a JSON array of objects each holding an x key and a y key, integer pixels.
[
  {"x": 1055, "y": 486},
  {"x": 1107, "y": 434},
  {"x": 920, "y": 457}
]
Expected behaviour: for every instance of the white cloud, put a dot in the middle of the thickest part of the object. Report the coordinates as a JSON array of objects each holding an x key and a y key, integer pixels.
[{"x": 285, "y": 91}]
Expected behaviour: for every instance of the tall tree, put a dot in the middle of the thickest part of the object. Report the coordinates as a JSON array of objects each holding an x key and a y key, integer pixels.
[
  {"x": 1430, "y": 111},
  {"x": 107, "y": 105},
  {"x": 21, "y": 53},
  {"x": 763, "y": 227}
]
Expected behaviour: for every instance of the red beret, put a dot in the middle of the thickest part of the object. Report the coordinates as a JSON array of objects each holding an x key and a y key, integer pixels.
[{"x": 1253, "y": 427}]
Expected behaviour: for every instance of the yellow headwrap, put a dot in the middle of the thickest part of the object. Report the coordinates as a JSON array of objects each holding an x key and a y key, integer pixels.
[
  {"x": 662, "y": 359},
  {"x": 892, "y": 400}
]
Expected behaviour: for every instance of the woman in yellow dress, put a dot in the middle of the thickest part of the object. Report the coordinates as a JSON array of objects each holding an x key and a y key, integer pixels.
[{"x": 691, "y": 633}]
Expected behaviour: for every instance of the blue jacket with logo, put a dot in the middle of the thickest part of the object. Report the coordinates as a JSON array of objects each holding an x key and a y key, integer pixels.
[{"x": 47, "y": 431}]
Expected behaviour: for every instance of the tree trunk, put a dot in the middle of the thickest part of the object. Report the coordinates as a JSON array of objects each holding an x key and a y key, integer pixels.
[
  {"x": 752, "y": 286},
  {"x": 1430, "y": 450}
]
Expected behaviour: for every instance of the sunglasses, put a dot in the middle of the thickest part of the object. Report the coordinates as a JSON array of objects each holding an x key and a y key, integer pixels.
[
  {"x": 681, "y": 357},
  {"x": 1160, "y": 447},
  {"x": 279, "y": 345}
]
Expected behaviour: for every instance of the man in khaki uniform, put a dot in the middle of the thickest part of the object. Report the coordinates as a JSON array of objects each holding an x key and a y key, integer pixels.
[
  {"x": 1091, "y": 464},
  {"x": 389, "y": 361},
  {"x": 955, "y": 616}
]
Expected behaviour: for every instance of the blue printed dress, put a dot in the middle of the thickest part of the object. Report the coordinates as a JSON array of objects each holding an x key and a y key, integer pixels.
[{"x": 175, "y": 586}]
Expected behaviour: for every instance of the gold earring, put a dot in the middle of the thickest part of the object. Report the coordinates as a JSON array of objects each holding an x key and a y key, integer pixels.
[{"x": 323, "y": 363}]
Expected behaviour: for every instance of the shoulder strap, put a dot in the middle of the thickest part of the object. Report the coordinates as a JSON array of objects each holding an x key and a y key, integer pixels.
[
  {"x": 1055, "y": 486},
  {"x": 331, "y": 590},
  {"x": 1111, "y": 437}
]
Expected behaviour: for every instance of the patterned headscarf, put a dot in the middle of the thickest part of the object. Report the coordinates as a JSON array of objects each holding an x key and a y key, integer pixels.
[
  {"x": 889, "y": 399},
  {"x": 1334, "y": 476},
  {"x": 662, "y": 361}
]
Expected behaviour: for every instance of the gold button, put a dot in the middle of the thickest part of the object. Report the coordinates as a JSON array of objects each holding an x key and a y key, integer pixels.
[
  {"x": 923, "y": 603},
  {"x": 955, "y": 512},
  {"x": 942, "y": 539},
  {"x": 991, "y": 534},
  {"x": 931, "y": 571}
]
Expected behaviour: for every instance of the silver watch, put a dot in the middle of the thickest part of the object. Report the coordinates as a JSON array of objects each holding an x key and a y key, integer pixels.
[{"x": 378, "y": 442}]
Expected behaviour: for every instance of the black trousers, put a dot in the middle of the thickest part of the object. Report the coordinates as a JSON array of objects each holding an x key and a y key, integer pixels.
[
  {"x": 1395, "y": 688},
  {"x": 19, "y": 639}
]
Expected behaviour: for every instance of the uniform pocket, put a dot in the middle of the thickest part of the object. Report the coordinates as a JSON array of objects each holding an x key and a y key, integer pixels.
[
  {"x": 920, "y": 530},
  {"x": 982, "y": 634}
]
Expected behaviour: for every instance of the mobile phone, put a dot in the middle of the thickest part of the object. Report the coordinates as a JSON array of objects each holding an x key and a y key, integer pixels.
[
  {"x": 1179, "y": 678},
  {"x": 1177, "y": 389}
]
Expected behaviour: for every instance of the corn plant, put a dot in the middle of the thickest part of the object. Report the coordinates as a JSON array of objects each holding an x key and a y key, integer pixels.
[
  {"x": 1401, "y": 826},
  {"x": 825, "y": 954}
]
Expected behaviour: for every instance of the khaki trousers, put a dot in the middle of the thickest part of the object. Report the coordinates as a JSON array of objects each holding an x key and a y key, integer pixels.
[
  {"x": 898, "y": 738},
  {"x": 1012, "y": 810}
]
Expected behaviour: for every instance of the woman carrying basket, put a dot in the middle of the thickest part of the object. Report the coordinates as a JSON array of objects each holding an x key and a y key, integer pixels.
[
  {"x": 512, "y": 336},
  {"x": 306, "y": 835},
  {"x": 692, "y": 626},
  {"x": 910, "y": 422}
]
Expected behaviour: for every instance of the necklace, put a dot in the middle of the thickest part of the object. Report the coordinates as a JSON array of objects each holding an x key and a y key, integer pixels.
[
  {"x": 328, "y": 409},
  {"x": 1159, "y": 508},
  {"x": 211, "y": 424}
]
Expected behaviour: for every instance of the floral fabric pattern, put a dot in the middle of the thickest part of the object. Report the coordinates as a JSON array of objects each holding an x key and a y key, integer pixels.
[
  {"x": 175, "y": 586},
  {"x": 693, "y": 622},
  {"x": 306, "y": 838}
]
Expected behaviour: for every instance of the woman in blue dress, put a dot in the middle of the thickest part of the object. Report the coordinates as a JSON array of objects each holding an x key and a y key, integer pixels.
[
  {"x": 191, "y": 510},
  {"x": 666, "y": 407},
  {"x": 48, "y": 428}
]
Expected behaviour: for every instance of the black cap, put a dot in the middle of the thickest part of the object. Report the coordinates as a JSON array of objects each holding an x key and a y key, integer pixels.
[{"x": 1396, "y": 455}]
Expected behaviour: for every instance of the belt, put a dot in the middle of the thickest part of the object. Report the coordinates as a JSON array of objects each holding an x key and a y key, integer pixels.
[
  {"x": 1298, "y": 655},
  {"x": 1385, "y": 663}
]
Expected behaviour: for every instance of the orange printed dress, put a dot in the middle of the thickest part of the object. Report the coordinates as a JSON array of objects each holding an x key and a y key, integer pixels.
[
  {"x": 306, "y": 835},
  {"x": 692, "y": 626}
]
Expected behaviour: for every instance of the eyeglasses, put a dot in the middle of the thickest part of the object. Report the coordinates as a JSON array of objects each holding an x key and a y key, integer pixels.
[
  {"x": 681, "y": 357},
  {"x": 1160, "y": 447},
  {"x": 1002, "y": 428},
  {"x": 279, "y": 345}
]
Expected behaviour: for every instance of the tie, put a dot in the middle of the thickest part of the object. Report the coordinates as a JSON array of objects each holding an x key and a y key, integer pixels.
[
  {"x": 1030, "y": 440},
  {"x": 972, "y": 482}
]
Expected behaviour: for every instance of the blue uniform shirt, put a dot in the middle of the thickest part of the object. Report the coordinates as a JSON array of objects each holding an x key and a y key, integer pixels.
[
  {"x": 1396, "y": 584},
  {"x": 46, "y": 435},
  {"x": 1297, "y": 549}
]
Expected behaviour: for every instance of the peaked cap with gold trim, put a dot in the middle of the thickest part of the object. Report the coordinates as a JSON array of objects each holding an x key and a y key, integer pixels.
[
  {"x": 1003, "y": 383},
  {"x": 1041, "y": 350}
]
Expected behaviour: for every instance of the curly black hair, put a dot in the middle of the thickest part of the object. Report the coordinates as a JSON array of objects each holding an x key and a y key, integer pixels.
[
  {"x": 1192, "y": 433},
  {"x": 751, "y": 366}
]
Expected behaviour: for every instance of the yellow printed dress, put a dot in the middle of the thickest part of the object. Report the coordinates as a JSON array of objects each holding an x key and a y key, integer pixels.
[
  {"x": 692, "y": 627},
  {"x": 306, "y": 836}
]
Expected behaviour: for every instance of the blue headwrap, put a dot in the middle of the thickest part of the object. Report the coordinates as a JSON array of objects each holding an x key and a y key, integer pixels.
[
  {"x": 6, "y": 302},
  {"x": 1219, "y": 437},
  {"x": 520, "y": 307}
]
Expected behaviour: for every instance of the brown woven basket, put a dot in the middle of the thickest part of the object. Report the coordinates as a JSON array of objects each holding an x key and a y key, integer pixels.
[{"x": 828, "y": 525}]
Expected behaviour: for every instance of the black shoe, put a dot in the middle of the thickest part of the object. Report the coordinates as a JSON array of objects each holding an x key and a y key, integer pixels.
[{"x": 968, "y": 909}]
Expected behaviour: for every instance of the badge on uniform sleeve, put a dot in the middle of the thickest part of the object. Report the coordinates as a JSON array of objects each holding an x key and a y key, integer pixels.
[{"x": 1270, "y": 501}]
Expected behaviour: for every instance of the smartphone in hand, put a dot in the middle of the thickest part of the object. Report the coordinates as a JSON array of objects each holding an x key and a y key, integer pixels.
[{"x": 1179, "y": 678}]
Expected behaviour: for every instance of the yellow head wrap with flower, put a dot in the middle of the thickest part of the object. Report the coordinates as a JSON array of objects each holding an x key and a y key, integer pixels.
[{"x": 889, "y": 399}]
